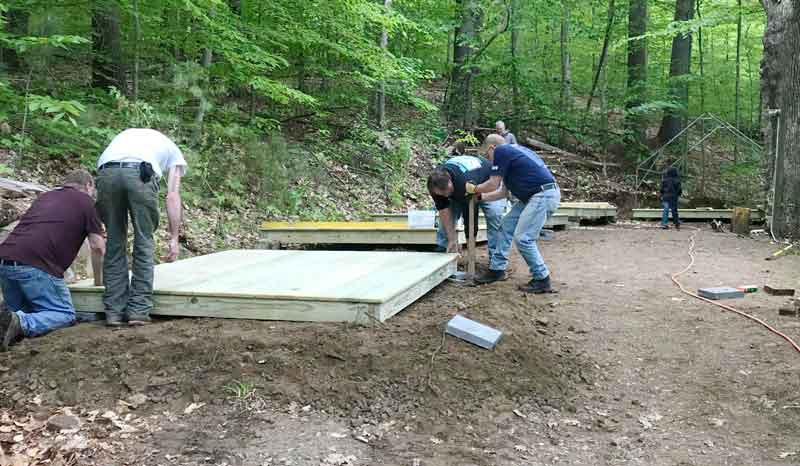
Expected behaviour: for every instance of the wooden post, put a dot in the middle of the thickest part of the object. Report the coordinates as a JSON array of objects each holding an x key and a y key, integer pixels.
[
  {"x": 740, "y": 222},
  {"x": 471, "y": 237}
]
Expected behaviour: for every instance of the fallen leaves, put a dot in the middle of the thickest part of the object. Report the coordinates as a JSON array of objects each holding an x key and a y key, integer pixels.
[
  {"x": 649, "y": 421},
  {"x": 192, "y": 408}
]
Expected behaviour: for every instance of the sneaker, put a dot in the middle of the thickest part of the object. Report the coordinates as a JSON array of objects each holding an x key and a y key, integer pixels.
[
  {"x": 114, "y": 323},
  {"x": 491, "y": 276},
  {"x": 537, "y": 286},
  {"x": 139, "y": 322},
  {"x": 665, "y": 227},
  {"x": 10, "y": 330}
]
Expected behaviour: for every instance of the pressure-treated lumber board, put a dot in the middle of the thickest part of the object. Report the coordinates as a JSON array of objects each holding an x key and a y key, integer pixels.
[
  {"x": 557, "y": 220},
  {"x": 352, "y": 233},
  {"x": 318, "y": 286},
  {"x": 696, "y": 214},
  {"x": 587, "y": 210}
]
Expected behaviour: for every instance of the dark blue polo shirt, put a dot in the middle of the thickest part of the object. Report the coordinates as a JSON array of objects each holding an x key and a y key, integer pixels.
[{"x": 522, "y": 170}]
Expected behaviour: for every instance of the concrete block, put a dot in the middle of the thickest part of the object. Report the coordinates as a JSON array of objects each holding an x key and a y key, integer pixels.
[
  {"x": 723, "y": 292},
  {"x": 473, "y": 332},
  {"x": 547, "y": 235},
  {"x": 771, "y": 290}
]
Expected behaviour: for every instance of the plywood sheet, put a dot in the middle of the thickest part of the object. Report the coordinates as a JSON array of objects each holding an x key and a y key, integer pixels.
[{"x": 289, "y": 285}]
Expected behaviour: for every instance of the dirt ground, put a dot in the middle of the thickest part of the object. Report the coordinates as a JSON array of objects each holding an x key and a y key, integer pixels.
[{"x": 617, "y": 368}]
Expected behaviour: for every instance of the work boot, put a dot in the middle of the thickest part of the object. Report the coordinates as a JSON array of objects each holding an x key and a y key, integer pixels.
[
  {"x": 537, "y": 286},
  {"x": 491, "y": 276},
  {"x": 10, "y": 330}
]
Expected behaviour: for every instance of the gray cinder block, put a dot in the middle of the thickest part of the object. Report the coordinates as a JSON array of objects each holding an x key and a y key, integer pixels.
[
  {"x": 723, "y": 292},
  {"x": 473, "y": 332}
]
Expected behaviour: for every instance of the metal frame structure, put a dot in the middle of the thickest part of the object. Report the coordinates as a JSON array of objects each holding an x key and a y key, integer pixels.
[{"x": 650, "y": 166}]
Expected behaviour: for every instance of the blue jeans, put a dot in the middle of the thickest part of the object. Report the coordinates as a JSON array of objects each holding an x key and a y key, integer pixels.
[
  {"x": 493, "y": 211},
  {"x": 522, "y": 226},
  {"x": 669, "y": 205},
  {"x": 42, "y": 302}
]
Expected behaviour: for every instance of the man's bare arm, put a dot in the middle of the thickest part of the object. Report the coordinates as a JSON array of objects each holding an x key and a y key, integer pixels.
[
  {"x": 495, "y": 195},
  {"x": 174, "y": 211},
  {"x": 97, "y": 244},
  {"x": 489, "y": 186},
  {"x": 446, "y": 217}
]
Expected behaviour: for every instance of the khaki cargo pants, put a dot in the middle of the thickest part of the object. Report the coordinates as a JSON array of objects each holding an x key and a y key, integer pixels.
[{"x": 121, "y": 194}]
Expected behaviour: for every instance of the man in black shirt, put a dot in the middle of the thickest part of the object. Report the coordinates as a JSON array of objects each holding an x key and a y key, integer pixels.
[{"x": 447, "y": 187}]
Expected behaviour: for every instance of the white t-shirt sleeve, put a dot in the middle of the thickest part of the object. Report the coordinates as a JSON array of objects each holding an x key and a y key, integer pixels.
[{"x": 175, "y": 159}]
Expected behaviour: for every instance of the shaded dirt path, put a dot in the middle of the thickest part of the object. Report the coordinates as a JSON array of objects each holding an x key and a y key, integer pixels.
[{"x": 618, "y": 368}]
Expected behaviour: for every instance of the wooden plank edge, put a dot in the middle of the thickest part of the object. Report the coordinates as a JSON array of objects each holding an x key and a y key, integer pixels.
[
  {"x": 251, "y": 309},
  {"x": 405, "y": 298}
]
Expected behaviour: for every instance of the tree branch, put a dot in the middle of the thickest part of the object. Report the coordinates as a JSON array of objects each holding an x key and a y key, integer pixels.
[
  {"x": 611, "y": 14},
  {"x": 495, "y": 36}
]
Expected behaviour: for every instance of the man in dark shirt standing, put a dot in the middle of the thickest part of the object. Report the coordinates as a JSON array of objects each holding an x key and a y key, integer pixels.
[
  {"x": 447, "y": 187},
  {"x": 35, "y": 255},
  {"x": 531, "y": 182}
]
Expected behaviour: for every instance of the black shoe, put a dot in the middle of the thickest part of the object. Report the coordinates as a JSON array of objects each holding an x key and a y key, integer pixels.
[
  {"x": 537, "y": 286},
  {"x": 10, "y": 330},
  {"x": 665, "y": 227},
  {"x": 678, "y": 226},
  {"x": 491, "y": 276}
]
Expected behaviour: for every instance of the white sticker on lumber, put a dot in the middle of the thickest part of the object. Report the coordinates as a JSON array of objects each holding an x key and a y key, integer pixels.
[{"x": 319, "y": 286}]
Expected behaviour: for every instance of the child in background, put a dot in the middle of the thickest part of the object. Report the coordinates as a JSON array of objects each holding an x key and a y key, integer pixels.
[{"x": 670, "y": 192}]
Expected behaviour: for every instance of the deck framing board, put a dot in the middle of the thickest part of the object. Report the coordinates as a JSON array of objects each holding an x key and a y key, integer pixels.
[
  {"x": 354, "y": 297},
  {"x": 700, "y": 214},
  {"x": 418, "y": 236}
]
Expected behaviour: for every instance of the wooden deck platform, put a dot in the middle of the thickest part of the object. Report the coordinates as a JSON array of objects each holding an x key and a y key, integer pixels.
[
  {"x": 696, "y": 214},
  {"x": 556, "y": 221},
  {"x": 275, "y": 234},
  {"x": 588, "y": 210},
  {"x": 316, "y": 286}
]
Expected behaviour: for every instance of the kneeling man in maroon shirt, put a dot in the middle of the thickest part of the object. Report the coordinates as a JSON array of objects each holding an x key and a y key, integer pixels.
[{"x": 35, "y": 255}]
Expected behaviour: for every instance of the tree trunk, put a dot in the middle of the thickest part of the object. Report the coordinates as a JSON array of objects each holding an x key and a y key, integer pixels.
[
  {"x": 381, "y": 97},
  {"x": 603, "y": 54},
  {"x": 566, "y": 67},
  {"x": 236, "y": 7},
  {"x": 137, "y": 27},
  {"x": 701, "y": 51},
  {"x": 675, "y": 119},
  {"x": 738, "y": 63},
  {"x": 460, "y": 104},
  {"x": 16, "y": 26},
  {"x": 514, "y": 60},
  {"x": 637, "y": 70},
  {"x": 107, "y": 60},
  {"x": 781, "y": 91}
]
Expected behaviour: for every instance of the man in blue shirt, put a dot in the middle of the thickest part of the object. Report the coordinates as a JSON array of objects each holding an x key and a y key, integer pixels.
[{"x": 531, "y": 182}]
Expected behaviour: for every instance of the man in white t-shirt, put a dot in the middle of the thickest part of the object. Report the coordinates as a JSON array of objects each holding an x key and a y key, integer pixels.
[{"x": 128, "y": 177}]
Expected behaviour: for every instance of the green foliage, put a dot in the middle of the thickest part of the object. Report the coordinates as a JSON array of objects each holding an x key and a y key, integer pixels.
[
  {"x": 467, "y": 137},
  {"x": 310, "y": 70},
  {"x": 55, "y": 109},
  {"x": 396, "y": 159}
]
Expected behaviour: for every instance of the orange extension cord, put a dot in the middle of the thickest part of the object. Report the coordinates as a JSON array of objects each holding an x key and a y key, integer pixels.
[{"x": 723, "y": 306}]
